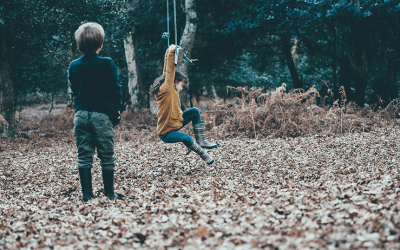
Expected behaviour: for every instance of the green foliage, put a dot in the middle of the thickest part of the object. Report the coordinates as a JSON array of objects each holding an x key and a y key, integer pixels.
[
  {"x": 237, "y": 43},
  {"x": 40, "y": 34},
  {"x": 332, "y": 32}
]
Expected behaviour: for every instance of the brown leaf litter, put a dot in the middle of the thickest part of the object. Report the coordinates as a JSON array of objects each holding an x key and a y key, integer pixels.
[{"x": 310, "y": 192}]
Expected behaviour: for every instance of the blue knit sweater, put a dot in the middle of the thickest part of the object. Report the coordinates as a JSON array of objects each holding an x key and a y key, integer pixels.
[{"x": 94, "y": 84}]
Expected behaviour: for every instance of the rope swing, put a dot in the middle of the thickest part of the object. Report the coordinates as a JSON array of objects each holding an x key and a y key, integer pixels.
[
  {"x": 165, "y": 35},
  {"x": 179, "y": 53}
]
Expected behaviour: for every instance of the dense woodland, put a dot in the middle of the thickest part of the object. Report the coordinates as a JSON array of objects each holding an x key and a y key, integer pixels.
[
  {"x": 246, "y": 43},
  {"x": 302, "y": 98}
]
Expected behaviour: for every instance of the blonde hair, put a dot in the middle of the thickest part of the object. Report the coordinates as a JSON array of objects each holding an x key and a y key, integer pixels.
[{"x": 89, "y": 37}]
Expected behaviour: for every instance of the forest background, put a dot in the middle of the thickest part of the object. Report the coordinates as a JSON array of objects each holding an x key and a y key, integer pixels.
[
  {"x": 353, "y": 44},
  {"x": 297, "y": 166}
]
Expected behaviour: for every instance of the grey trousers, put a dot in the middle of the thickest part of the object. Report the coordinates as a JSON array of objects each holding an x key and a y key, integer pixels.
[{"x": 94, "y": 130}]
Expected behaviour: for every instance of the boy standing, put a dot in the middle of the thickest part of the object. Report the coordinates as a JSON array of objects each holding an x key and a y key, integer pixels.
[{"x": 98, "y": 100}]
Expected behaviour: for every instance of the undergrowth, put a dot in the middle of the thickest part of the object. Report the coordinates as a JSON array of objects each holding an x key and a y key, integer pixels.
[
  {"x": 256, "y": 114},
  {"x": 295, "y": 113}
]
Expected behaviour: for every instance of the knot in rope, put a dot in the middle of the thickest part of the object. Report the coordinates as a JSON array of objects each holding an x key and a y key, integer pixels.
[{"x": 165, "y": 35}]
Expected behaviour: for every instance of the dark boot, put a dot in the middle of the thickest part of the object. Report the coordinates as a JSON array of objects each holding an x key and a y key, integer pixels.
[
  {"x": 108, "y": 181},
  {"x": 199, "y": 130},
  {"x": 85, "y": 174}
]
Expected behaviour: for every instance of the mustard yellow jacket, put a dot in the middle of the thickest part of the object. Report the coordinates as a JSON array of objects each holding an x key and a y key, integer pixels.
[{"x": 169, "y": 116}]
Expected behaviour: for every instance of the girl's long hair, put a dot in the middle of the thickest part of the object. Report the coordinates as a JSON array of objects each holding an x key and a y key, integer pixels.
[{"x": 179, "y": 76}]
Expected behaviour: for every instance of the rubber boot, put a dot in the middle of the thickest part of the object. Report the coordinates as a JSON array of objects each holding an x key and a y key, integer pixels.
[
  {"x": 85, "y": 175},
  {"x": 199, "y": 130},
  {"x": 202, "y": 153},
  {"x": 108, "y": 181}
]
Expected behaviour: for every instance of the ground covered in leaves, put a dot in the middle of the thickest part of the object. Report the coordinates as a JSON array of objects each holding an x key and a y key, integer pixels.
[{"x": 316, "y": 192}]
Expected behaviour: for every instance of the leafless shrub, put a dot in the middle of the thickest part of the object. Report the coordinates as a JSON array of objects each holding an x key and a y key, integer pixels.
[
  {"x": 49, "y": 126},
  {"x": 392, "y": 111},
  {"x": 290, "y": 114},
  {"x": 256, "y": 114},
  {"x": 141, "y": 119},
  {"x": 134, "y": 125},
  {"x": 3, "y": 122},
  {"x": 40, "y": 132}
]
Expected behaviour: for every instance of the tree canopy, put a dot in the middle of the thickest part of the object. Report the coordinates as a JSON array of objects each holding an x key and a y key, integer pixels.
[{"x": 249, "y": 43}]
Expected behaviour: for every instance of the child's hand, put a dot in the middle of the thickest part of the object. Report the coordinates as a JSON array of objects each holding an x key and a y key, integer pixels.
[{"x": 172, "y": 47}]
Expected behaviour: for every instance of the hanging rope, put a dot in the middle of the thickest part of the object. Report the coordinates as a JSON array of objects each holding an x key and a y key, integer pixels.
[
  {"x": 176, "y": 29},
  {"x": 166, "y": 35},
  {"x": 177, "y": 51}
]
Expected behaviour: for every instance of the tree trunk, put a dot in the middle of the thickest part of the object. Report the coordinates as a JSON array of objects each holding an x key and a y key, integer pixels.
[
  {"x": 389, "y": 90},
  {"x": 345, "y": 78},
  {"x": 286, "y": 49},
  {"x": 70, "y": 101},
  {"x": 138, "y": 94},
  {"x": 395, "y": 88},
  {"x": 52, "y": 102},
  {"x": 361, "y": 86},
  {"x": 358, "y": 62},
  {"x": 334, "y": 75},
  {"x": 395, "y": 64},
  {"x": 214, "y": 93},
  {"x": 294, "y": 52},
  {"x": 7, "y": 88},
  {"x": 135, "y": 85},
  {"x": 186, "y": 43},
  {"x": 362, "y": 76}
]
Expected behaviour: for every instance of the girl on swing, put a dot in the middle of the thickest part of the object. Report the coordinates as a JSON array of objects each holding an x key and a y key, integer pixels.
[{"x": 170, "y": 117}]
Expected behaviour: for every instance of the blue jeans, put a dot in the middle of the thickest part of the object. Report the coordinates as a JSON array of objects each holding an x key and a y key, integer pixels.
[{"x": 190, "y": 115}]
